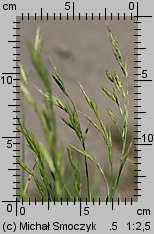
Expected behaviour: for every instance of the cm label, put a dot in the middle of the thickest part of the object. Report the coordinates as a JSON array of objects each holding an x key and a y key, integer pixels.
[{"x": 9, "y": 7}]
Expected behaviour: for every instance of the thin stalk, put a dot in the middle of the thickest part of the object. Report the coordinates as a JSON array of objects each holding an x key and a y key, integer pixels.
[
  {"x": 87, "y": 173},
  {"x": 23, "y": 142},
  {"x": 122, "y": 159},
  {"x": 29, "y": 178},
  {"x": 84, "y": 148}
]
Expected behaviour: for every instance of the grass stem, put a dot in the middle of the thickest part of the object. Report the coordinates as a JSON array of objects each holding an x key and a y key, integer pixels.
[
  {"x": 23, "y": 143},
  {"x": 87, "y": 173}
]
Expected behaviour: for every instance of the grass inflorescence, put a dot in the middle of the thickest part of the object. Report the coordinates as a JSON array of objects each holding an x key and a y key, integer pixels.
[{"x": 49, "y": 158}]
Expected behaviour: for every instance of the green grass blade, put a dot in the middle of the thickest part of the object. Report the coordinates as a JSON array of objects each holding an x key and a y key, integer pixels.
[
  {"x": 92, "y": 159},
  {"x": 83, "y": 152},
  {"x": 24, "y": 166},
  {"x": 76, "y": 180},
  {"x": 69, "y": 193},
  {"x": 116, "y": 179},
  {"x": 37, "y": 147}
]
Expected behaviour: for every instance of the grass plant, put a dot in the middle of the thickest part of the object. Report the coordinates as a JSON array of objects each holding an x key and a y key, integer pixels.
[{"x": 50, "y": 158}]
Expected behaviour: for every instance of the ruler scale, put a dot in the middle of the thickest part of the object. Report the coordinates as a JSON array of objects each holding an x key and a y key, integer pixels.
[{"x": 83, "y": 216}]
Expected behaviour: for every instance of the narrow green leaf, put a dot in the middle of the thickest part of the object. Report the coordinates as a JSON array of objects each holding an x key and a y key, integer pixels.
[
  {"x": 23, "y": 196},
  {"x": 41, "y": 188},
  {"x": 37, "y": 147},
  {"x": 45, "y": 180},
  {"x": 76, "y": 180},
  {"x": 103, "y": 174},
  {"x": 83, "y": 152},
  {"x": 45, "y": 154},
  {"x": 116, "y": 179},
  {"x": 69, "y": 193},
  {"x": 91, "y": 121},
  {"x": 24, "y": 166}
]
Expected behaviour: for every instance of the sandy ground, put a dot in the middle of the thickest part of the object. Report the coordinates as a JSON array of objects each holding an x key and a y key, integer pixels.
[{"x": 82, "y": 52}]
